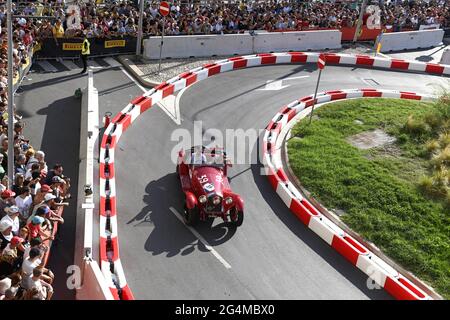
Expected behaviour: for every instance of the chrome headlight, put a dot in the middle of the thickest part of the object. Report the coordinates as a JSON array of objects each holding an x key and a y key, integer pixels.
[
  {"x": 202, "y": 199},
  {"x": 216, "y": 200},
  {"x": 228, "y": 200}
]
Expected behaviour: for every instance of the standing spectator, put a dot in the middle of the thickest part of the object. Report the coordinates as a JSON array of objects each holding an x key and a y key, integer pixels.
[
  {"x": 56, "y": 171},
  {"x": 24, "y": 202},
  {"x": 5, "y": 233},
  {"x": 38, "y": 157},
  {"x": 7, "y": 199},
  {"x": 58, "y": 30},
  {"x": 12, "y": 216},
  {"x": 42, "y": 289}
]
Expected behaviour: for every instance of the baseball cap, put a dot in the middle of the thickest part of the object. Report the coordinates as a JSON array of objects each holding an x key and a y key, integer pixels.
[
  {"x": 37, "y": 220},
  {"x": 16, "y": 240},
  {"x": 8, "y": 194},
  {"x": 57, "y": 179},
  {"x": 49, "y": 197}
]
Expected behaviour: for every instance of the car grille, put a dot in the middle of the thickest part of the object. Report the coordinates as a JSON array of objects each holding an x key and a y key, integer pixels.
[{"x": 211, "y": 207}]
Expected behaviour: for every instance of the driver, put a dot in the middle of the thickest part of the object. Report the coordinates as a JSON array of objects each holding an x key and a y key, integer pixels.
[{"x": 198, "y": 157}]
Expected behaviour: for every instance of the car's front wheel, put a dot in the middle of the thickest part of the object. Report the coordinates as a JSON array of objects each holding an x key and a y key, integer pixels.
[
  {"x": 191, "y": 216},
  {"x": 236, "y": 217}
]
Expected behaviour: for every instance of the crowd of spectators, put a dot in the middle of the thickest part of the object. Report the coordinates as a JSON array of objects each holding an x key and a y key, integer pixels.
[
  {"x": 29, "y": 211},
  {"x": 30, "y": 207},
  {"x": 108, "y": 18},
  {"x": 217, "y": 17}
]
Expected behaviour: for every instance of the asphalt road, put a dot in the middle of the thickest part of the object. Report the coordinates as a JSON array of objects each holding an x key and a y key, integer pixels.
[
  {"x": 52, "y": 118},
  {"x": 272, "y": 256}
]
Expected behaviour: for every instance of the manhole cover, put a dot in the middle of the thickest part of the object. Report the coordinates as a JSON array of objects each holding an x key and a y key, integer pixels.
[{"x": 370, "y": 139}]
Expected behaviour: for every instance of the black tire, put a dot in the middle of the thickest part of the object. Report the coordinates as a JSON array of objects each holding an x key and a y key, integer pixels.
[
  {"x": 191, "y": 216},
  {"x": 236, "y": 217}
]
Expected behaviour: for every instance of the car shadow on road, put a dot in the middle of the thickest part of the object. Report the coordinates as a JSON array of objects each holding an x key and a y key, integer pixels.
[
  {"x": 332, "y": 257},
  {"x": 168, "y": 234}
]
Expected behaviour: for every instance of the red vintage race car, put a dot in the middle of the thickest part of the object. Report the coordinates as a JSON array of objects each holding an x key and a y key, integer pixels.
[{"x": 203, "y": 175}]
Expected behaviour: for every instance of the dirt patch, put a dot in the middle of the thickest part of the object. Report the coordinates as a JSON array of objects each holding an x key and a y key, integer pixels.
[{"x": 371, "y": 139}]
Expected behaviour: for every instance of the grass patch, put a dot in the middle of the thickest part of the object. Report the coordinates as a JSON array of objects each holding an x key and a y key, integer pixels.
[{"x": 381, "y": 189}]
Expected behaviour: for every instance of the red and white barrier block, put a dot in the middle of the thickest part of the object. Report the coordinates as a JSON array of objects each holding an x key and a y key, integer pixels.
[
  {"x": 379, "y": 271},
  {"x": 121, "y": 122}
]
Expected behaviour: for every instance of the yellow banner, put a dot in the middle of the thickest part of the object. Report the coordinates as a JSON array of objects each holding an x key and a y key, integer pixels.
[
  {"x": 72, "y": 46},
  {"x": 114, "y": 43}
]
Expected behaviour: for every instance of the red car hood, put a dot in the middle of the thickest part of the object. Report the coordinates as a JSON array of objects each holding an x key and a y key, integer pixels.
[{"x": 208, "y": 180}]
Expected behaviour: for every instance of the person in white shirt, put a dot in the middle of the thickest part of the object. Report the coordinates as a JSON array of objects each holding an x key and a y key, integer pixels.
[
  {"x": 198, "y": 157},
  {"x": 39, "y": 156},
  {"x": 13, "y": 216},
  {"x": 44, "y": 290},
  {"x": 24, "y": 202}
]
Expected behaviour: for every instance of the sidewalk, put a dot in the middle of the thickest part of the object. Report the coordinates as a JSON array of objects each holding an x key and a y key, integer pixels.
[{"x": 146, "y": 71}]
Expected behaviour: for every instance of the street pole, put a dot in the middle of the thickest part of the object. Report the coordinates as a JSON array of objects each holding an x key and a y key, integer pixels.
[
  {"x": 315, "y": 95},
  {"x": 10, "y": 97},
  {"x": 162, "y": 42},
  {"x": 360, "y": 21},
  {"x": 139, "y": 37}
]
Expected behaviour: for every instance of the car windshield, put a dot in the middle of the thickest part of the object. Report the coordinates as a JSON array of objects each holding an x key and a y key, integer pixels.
[{"x": 200, "y": 156}]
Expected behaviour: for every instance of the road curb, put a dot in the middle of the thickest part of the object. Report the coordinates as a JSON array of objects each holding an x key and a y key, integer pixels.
[
  {"x": 109, "y": 246},
  {"x": 332, "y": 229},
  {"x": 131, "y": 67}
]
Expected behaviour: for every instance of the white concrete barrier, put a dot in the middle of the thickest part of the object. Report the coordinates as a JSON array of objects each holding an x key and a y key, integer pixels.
[
  {"x": 396, "y": 41},
  {"x": 198, "y": 46},
  {"x": 297, "y": 41},
  {"x": 94, "y": 286},
  {"x": 241, "y": 44}
]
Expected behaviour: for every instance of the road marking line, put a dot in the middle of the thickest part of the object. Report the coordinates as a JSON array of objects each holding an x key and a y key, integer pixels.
[
  {"x": 69, "y": 64},
  {"x": 201, "y": 239},
  {"x": 112, "y": 62},
  {"x": 47, "y": 66},
  {"x": 275, "y": 85}
]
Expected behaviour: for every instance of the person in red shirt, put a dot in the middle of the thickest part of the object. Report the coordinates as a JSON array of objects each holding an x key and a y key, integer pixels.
[{"x": 27, "y": 38}]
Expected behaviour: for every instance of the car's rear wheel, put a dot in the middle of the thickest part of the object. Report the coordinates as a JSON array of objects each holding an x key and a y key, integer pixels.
[
  {"x": 191, "y": 216},
  {"x": 236, "y": 217}
]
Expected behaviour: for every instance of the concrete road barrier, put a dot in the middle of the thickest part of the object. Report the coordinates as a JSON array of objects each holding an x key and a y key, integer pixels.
[
  {"x": 297, "y": 41},
  {"x": 198, "y": 46},
  {"x": 397, "y": 41},
  {"x": 241, "y": 44}
]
